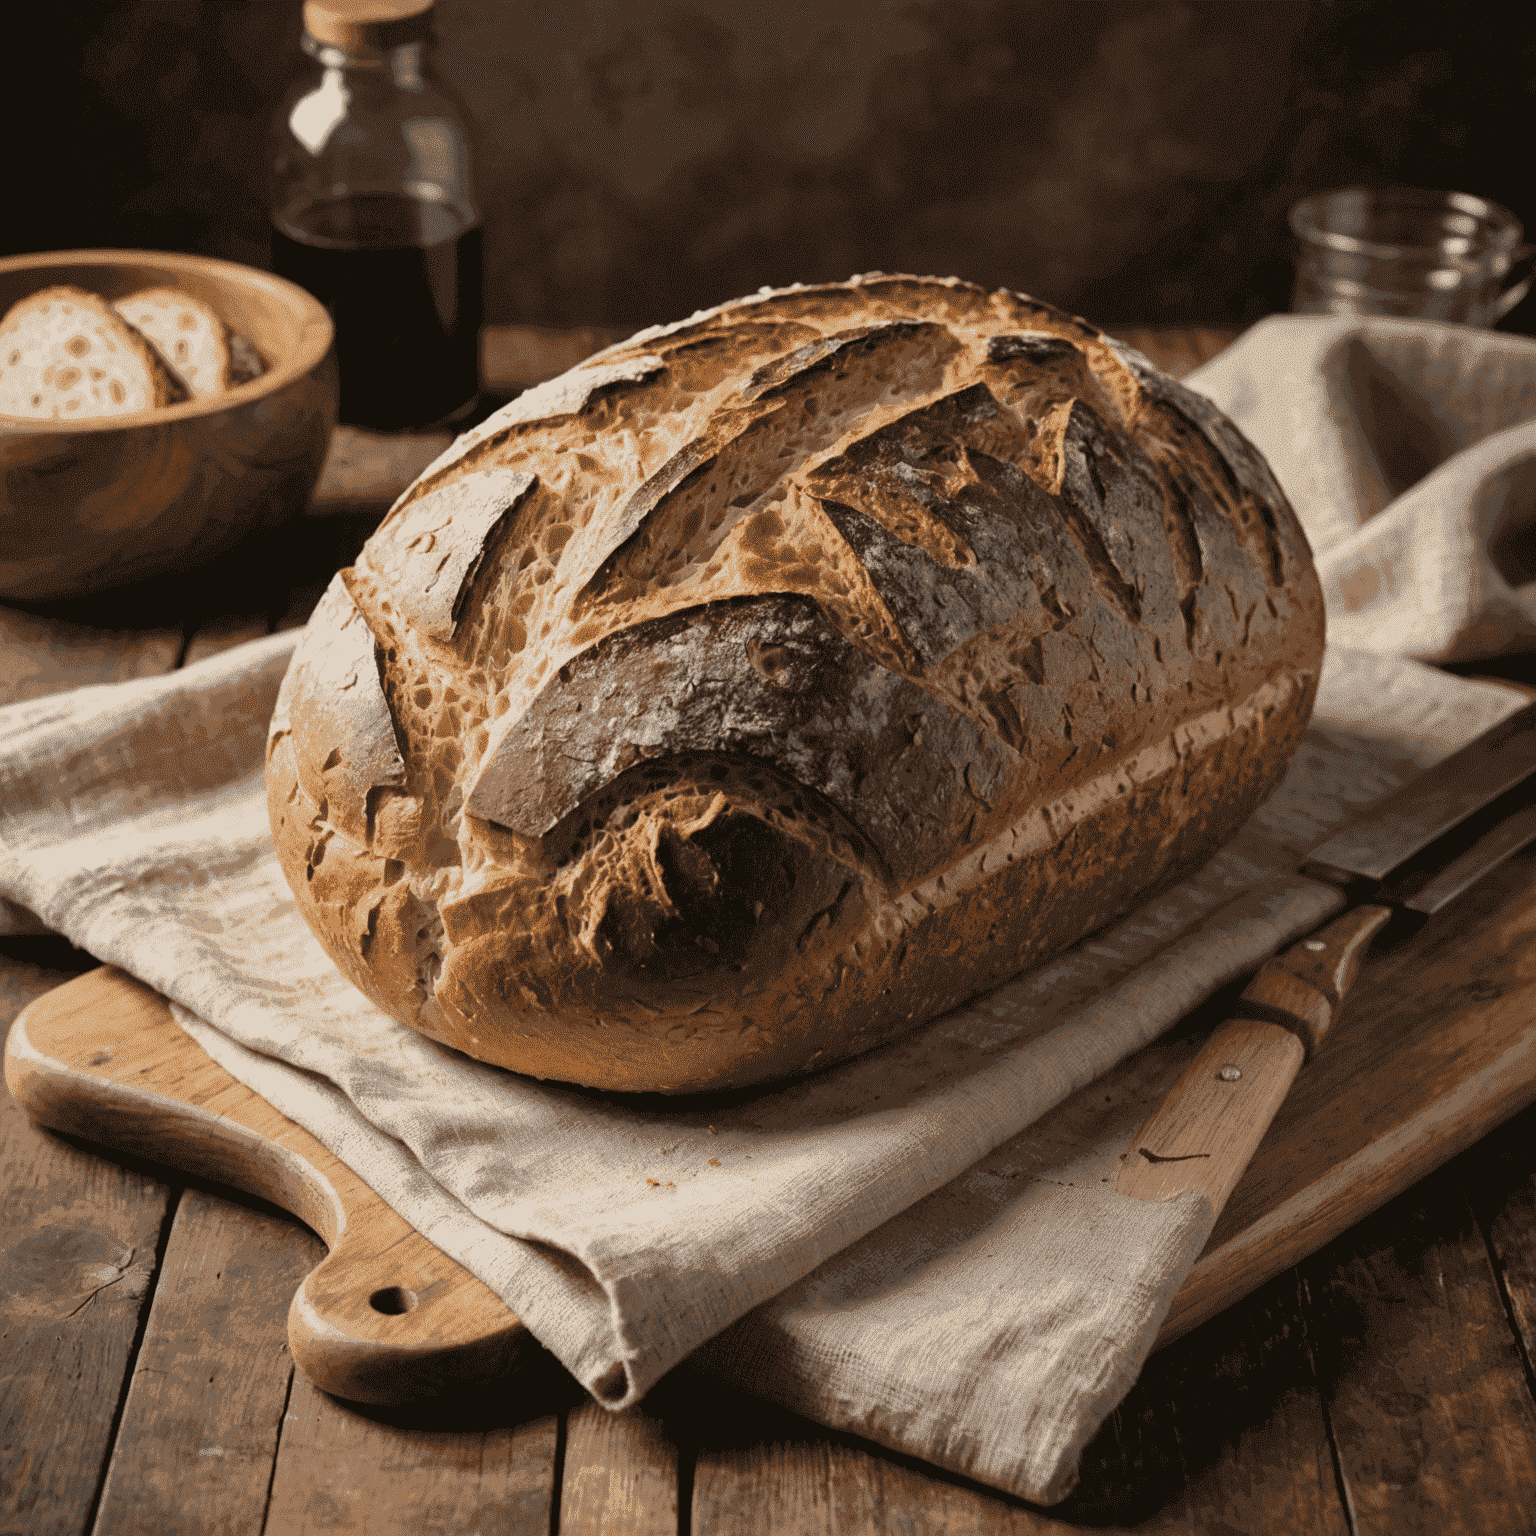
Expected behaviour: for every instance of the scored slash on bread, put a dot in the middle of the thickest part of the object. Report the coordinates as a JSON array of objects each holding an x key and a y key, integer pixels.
[
  {"x": 66, "y": 354},
  {"x": 188, "y": 335}
]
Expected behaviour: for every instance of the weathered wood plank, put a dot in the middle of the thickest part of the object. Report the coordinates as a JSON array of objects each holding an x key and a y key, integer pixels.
[
  {"x": 814, "y": 1486},
  {"x": 77, "y": 1261},
  {"x": 810, "y": 1487},
  {"x": 758, "y": 1468},
  {"x": 199, "y": 1431},
  {"x": 152, "y": 1092},
  {"x": 786, "y": 1486},
  {"x": 1225, "y": 1431},
  {"x": 514, "y": 357},
  {"x": 1422, "y": 1376},
  {"x": 620, "y": 1474},
  {"x": 367, "y": 471},
  {"x": 339, "y": 1469},
  {"x": 1499, "y": 1177}
]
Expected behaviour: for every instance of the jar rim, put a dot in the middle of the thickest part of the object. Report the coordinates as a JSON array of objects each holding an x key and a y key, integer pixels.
[{"x": 1483, "y": 224}]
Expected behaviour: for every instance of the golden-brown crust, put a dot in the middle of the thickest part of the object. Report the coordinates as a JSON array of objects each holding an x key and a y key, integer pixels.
[{"x": 782, "y": 678}]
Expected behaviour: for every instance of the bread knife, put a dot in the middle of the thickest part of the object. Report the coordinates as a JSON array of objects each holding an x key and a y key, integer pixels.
[{"x": 1415, "y": 852}]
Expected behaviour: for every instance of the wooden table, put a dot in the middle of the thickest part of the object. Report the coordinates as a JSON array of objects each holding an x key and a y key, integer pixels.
[{"x": 1384, "y": 1385}]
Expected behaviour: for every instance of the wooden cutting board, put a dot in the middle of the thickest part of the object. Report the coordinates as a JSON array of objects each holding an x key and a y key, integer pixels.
[{"x": 1437, "y": 1046}]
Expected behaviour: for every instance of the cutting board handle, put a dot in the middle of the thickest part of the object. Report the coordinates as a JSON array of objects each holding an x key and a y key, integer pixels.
[{"x": 385, "y": 1317}]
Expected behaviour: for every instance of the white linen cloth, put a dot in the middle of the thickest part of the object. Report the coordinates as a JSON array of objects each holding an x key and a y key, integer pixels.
[
  {"x": 896, "y": 1293},
  {"x": 1408, "y": 447}
]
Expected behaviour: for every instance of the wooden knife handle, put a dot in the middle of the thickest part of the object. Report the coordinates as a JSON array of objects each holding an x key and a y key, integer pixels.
[{"x": 1204, "y": 1134}]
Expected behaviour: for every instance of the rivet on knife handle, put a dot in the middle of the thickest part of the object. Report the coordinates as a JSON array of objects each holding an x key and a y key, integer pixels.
[{"x": 1205, "y": 1132}]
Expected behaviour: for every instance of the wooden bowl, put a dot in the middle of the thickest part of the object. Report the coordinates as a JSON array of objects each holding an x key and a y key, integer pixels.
[{"x": 86, "y": 505}]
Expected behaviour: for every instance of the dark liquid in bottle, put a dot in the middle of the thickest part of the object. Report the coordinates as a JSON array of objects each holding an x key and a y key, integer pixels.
[{"x": 401, "y": 279}]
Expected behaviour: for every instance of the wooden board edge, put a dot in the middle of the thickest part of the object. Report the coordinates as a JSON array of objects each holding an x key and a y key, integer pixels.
[
  {"x": 165, "y": 1130},
  {"x": 450, "y": 1329}
]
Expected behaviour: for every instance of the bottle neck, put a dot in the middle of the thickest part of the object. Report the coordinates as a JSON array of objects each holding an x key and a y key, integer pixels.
[{"x": 403, "y": 64}]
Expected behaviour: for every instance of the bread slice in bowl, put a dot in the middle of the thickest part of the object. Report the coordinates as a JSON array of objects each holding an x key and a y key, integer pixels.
[
  {"x": 189, "y": 336},
  {"x": 66, "y": 355}
]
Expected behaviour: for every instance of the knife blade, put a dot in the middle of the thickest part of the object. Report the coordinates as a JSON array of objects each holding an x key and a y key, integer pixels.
[
  {"x": 1428, "y": 807},
  {"x": 1408, "y": 857}
]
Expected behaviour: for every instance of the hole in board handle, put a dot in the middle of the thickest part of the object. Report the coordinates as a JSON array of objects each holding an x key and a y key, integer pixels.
[{"x": 392, "y": 1300}]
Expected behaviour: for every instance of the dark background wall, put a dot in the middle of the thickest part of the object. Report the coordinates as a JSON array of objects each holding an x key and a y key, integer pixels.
[{"x": 1131, "y": 159}]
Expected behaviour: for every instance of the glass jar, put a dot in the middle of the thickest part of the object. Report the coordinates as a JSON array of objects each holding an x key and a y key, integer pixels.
[
  {"x": 1410, "y": 252},
  {"x": 373, "y": 211}
]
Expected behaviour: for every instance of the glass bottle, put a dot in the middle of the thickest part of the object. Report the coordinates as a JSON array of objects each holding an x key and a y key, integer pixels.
[{"x": 373, "y": 211}]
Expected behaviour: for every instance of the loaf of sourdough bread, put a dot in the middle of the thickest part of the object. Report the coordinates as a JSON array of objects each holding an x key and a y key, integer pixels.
[{"x": 777, "y": 680}]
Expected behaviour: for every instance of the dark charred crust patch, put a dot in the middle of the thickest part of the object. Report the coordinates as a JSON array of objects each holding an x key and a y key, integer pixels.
[
  {"x": 888, "y": 755},
  {"x": 1034, "y": 347},
  {"x": 939, "y": 607},
  {"x": 719, "y": 894},
  {"x": 1182, "y": 527},
  {"x": 910, "y": 472},
  {"x": 752, "y": 786},
  {"x": 1252, "y": 483},
  {"x": 677, "y": 522},
  {"x": 921, "y": 436},
  {"x": 955, "y": 536},
  {"x": 1114, "y": 506},
  {"x": 1240, "y": 457}
]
